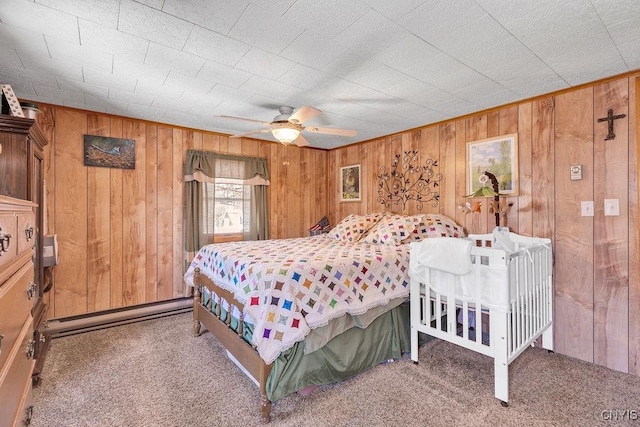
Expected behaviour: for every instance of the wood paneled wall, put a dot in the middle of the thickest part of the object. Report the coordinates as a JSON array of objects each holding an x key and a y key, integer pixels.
[
  {"x": 597, "y": 283},
  {"x": 120, "y": 231}
]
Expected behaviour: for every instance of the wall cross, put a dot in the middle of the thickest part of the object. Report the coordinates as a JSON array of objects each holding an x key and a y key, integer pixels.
[{"x": 610, "y": 118}]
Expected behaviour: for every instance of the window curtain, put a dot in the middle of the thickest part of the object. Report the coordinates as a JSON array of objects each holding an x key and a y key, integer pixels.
[{"x": 206, "y": 167}]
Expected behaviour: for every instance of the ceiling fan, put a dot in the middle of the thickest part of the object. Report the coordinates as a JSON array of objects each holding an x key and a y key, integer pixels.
[{"x": 287, "y": 126}]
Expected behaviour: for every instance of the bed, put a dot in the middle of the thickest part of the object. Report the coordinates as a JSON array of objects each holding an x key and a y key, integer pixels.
[
  {"x": 304, "y": 312},
  {"x": 491, "y": 293}
]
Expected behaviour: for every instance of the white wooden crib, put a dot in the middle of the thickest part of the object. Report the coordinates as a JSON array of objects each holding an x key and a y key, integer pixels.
[{"x": 510, "y": 280}]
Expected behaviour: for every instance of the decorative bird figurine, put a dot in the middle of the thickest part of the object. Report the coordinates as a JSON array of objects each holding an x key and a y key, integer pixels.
[
  {"x": 470, "y": 208},
  {"x": 502, "y": 207},
  {"x": 465, "y": 208}
]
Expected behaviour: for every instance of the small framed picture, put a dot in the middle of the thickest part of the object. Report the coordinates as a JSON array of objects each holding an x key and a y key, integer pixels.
[
  {"x": 498, "y": 156},
  {"x": 350, "y": 183}
]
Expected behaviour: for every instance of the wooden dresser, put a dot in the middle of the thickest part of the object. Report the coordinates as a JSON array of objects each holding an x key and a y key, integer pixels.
[{"x": 23, "y": 313}]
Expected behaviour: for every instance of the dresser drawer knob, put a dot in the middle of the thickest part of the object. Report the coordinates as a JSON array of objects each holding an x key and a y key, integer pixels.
[
  {"x": 31, "y": 349},
  {"x": 5, "y": 241},
  {"x": 28, "y": 415},
  {"x": 29, "y": 231},
  {"x": 31, "y": 290}
]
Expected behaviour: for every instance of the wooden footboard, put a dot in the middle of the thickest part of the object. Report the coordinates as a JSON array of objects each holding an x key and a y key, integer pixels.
[{"x": 232, "y": 340}]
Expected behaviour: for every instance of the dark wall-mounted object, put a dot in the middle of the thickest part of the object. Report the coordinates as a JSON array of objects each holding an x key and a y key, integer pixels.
[
  {"x": 406, "y": 180},
  {"x": 109, "y": 152}
]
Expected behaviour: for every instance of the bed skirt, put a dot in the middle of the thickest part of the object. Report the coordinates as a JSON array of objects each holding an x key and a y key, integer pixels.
[{"x": 345, "y": 356}]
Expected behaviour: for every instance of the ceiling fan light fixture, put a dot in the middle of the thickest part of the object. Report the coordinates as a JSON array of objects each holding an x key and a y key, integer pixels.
[{"x": 285, "y": 135}]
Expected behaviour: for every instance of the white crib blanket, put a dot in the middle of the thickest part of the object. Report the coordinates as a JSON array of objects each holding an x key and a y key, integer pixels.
[{"x": 465, "y": 280}]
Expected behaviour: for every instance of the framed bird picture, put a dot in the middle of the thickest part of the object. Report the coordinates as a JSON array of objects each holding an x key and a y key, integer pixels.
[{"x": 109, "y": 152}]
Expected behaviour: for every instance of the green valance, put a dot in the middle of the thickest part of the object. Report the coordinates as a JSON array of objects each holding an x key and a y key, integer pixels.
[{"x": 207, "y": 166}]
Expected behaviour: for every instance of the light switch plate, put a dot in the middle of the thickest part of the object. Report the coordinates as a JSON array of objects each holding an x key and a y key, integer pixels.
[
  {"x": 586, "y": 208},
  {"x": 611, "y": 207}
]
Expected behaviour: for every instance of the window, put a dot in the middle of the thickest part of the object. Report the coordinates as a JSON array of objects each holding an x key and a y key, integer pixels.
[
  {"x": 225, "y": 199},
  {"x": 226, "y": 208}
]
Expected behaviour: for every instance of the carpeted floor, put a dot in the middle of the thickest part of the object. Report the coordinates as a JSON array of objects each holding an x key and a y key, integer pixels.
[{"x": 155, "y": 373}]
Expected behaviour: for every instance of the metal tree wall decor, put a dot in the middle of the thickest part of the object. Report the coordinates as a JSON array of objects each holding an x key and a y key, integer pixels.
[{"x": 406, "y": 180}]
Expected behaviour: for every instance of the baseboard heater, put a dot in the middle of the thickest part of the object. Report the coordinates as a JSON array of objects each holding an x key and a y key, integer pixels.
[{"x": 105, "y": 319}]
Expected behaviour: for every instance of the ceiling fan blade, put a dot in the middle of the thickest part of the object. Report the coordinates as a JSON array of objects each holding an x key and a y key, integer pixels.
[
  {"x": 301, "y": 141},
  {"x": 242, "y": 118},
  {"x": 331, "y": 131},
  {"x": 240, "y": 135},
  {"x": 303, "y": 114}
]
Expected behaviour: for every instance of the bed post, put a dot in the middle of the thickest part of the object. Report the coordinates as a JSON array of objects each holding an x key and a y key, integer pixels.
[
  {"x": 265, "y": 404},
  {"x": 197, "y": 292}
]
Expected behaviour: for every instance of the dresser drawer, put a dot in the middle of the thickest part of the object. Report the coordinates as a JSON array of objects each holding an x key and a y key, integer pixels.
[
  {"x": 15, "y": 377},
  {"x": 8, "y": 237},
  {"x": 25, "y": 411},
  {"x": 27, "y": 231},
  {"x": 15, "y": 307}
]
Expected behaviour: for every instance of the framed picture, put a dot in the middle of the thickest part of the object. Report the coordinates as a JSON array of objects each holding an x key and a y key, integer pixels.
[
  {"x": 350, "y": 183},
  {"x": 109, "y": 152},
  {"x": 496, "y": 155}
]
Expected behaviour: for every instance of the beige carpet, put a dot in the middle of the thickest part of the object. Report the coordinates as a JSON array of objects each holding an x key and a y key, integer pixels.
[{"x": 155, "y": 373}]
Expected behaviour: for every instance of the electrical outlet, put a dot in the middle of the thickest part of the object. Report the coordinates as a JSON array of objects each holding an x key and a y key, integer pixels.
[
  {"x": 611, "y": 207},
  {"x": 586, "y": 207}
]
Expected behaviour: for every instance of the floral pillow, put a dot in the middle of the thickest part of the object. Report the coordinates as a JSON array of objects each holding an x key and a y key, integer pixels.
[
  {"x": 392, "y": 229},
  {"x": 436, "y": 225},
  {"x": 352, "y": 227}
]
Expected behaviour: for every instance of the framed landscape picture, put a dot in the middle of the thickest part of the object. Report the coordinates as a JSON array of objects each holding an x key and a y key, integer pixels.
[
  {"x": 496, "y": 155},
  {"x": 350, "y": 183}
]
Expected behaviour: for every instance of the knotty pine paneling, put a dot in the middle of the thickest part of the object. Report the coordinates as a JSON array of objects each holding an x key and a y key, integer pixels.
[
  {"x": 597, "y": 272},
  {"x": 524, "y": 209},
  {"x": 70, "y": 201},
  {"x": 574, "y": 234},
  {"x": 151, "y": 213},
  {"x": 133, "y": 219},
  {"x": 98, "y": 225},
  {"x": 165, "y": 213},
  {"x": 611, "y": 233},
  {"x": 117, "y": 260},
  {"x": 120, "y": 231},
  {"x": 543, "y": 168}
]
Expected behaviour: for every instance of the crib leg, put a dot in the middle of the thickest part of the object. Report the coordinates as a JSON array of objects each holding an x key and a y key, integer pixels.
[
  {"x": 500, "y": 359},
  {"x": 414, "y": 345},
  {"x": 415, "y": 317},
  {"x": 547, "y": 338},
  {"x": 501, "y": 373}
]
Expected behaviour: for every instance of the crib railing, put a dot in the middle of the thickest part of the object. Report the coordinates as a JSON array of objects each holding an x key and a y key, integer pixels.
[{"x": 519, "y": 314}]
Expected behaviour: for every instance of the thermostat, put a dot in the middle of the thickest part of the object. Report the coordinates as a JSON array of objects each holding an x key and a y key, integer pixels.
[{"x": 576, "y": 172}]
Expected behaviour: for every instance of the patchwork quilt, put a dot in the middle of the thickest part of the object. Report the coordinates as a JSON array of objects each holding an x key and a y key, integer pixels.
[{"x": 290, "y": 286}]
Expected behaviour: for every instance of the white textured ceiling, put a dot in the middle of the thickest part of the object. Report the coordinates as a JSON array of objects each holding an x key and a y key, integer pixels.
[{"x": 376, "y": 66}]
